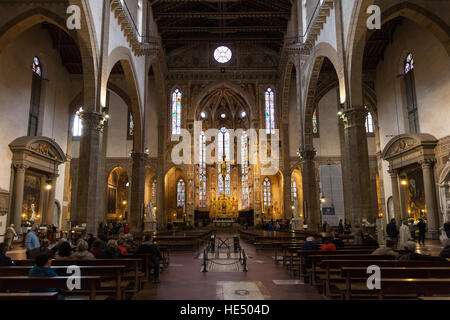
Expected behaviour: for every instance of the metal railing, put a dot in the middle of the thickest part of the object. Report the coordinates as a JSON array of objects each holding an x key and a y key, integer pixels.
[
  {"x": 302, "y": 38},
  {"x": 211, "y": 248}
]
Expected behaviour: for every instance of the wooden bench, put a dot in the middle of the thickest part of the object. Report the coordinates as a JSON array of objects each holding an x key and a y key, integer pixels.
[
  {"x": 132, "y": 267},
  {"x": 25, "y": 283},
  {"x": 358, "y": 277},
  {"x": 104, "y": 272},
  {"x": 333, "y": 268},
  {"x": 29, "y": 296}
]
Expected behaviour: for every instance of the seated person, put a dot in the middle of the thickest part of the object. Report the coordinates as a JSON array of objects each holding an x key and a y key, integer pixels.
[
  {"x": 148, "y": 246},
  {"x": 5, "y": 261},
  {"x": 309, "y": 245},
  {"x": 44, "y": 248},
  {"x": 328, "y": 245},
  {"x": 129, "y": 244},
  {"x": 64, "y": 251},
  {"x": 42, "y": 269},
  {"x": 336, "y": 241},
  {"x": 96, "y": 249},
  {"x": 409, "y": 253},
  {"x": 111, "y": 251},
  {"x": 386, "y": 250},
  {"x": 122, "y": 249},
  {"x": 82, "y": 252},
  {"x": 445, "y": 253},
  {"x": 56, "y": 247}
]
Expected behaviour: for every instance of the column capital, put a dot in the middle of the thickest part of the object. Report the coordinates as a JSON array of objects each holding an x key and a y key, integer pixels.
[
  {"x": 93, "y": 120},
  {"x": 427, "y": 163},
  {"x": 307, "y": 153},
  {"x": 21, "y": 166},
  {"x": 139, "y": 156},
  {"x": 355, "y": 117}
]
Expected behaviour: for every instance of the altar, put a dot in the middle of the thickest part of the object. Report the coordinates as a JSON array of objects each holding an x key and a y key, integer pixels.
[{"x": 224, "y": 207}]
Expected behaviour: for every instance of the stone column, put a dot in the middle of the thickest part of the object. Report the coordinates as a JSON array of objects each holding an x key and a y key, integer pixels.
[
  {"x": 51, "y": 201},
  {"x": 89, "y": 171},
  {"x": 430, "y": 198},
  {"x": 358, "y": 174},
  {"x": 310, "y": 189},
  {"x": 288, "y": 203},
  {"x": 160, "y": 200},
  {"x": 136, "y": 214},
  {"x": 19, "y": 182},
  {"x": 395, "y": 194}
]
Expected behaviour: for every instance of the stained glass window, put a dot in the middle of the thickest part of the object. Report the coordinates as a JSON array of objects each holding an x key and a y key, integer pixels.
[
  {"x": 176, "y": 112},
  {"x": 181, "y": 192},
  {"x": 293, "y": 191},
  {"x": 37, "y": 67},
  {"x": 77, "y": 124},
  {"x": 202, "y": 170},
  {"x": 130, "y": 131},
  {"x": 244, "y": 169},
  {"x": 315, "y": 123},
  {"x": 409, "y": 63},
  {"x": 267, "y": 193},
  {"x": 369, "y": 123},
  {"x": 270, "y": 111},
  {"x": 224, "y": 145}
]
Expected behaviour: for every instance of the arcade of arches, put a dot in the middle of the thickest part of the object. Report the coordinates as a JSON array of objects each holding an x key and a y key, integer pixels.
[{"x": 92, "y": 118}]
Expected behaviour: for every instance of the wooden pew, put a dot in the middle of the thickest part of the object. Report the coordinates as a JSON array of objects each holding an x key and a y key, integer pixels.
[
  {"x": 104, "y": 272},
  {"x": 131, "y": 265},
  {"x": 333, "y": 267},
  {"x": 29, "y": 296},
  {"x": 25, "y": 283}
]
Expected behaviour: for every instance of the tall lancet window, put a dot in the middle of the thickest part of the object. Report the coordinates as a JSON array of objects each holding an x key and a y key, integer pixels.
[
  {"x": 270, "y": 111},
  {"x": 369, "y": 124},
  {"x": 224, "y": 146},
  {"x": 244, "y": 169},
  {"x": 293, "y": 191},
  {"x": 181, "y": 193},
  {"x": 267, "y": 193},
  {"x": 35, "y": 101},
  {"x": 77, "y": 126},
  {"x": 176, "y": 112},
  {"x": 411, "y": 99},
  {"x": 202, "y": 170}
]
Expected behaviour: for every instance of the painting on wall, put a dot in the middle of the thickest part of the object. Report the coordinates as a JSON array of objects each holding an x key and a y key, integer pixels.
[{"x": 31, "y": 197}]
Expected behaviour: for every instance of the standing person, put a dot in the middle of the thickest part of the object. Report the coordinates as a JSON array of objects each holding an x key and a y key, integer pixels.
[
  {"x": 404, "y": 234},
  {"x": 10, "y": 235},
  {"x": 32, "y": 240},
  {"x": 148, "y": 246},
  {"x": 340, "y": 227},
  {"x": 391, "y": 230},
  {"x": 412, "y": 230},
  {"x": 324, "y": 227},
  {"x": 422, "y": 230},
  {"x": 447, "y": 229},
  {"x": 126, "y": 229}
]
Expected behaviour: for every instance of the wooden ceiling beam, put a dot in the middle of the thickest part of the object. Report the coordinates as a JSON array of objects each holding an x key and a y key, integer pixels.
[{"x": 223, "y": 15}]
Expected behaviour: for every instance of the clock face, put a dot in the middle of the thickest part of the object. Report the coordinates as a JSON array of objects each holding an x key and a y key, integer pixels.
[{"x": 223, "y": 54}]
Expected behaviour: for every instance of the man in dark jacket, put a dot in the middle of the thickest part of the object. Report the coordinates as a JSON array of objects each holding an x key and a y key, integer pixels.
[
  {"x": 309, "y": 245},
  {"x": 5, "y": 261},
  {"x": 148, "y": 246},
  {"x": 391, "y": 230},
  {"x": 422, "y": 226}
]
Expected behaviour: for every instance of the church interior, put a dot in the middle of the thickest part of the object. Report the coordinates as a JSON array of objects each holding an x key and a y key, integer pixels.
[{"x": 230, "y": 133}]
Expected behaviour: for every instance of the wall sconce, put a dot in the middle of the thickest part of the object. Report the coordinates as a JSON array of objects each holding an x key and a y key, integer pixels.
[
  {"x": 293, "y": 207},
  {"x": 403, "y": 181},
  {"x": 124, "y": 202},
  {"x": 48, "y": 185},
  {"x": 322, "y": 199}
]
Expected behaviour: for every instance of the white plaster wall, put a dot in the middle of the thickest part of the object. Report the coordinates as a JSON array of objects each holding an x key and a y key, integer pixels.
[
  {"x": 432, "y": 81},
  {"x": 96, "y": 7},
  {"x": 117, "y": 145},
  {"x": 15, "y": 90},
  {"x": 347, "y": 11},
  {"x": 328, "y": 33},
  {"x": 118, "y": 40},
  {"x": 328, "y": 142},
  {"x": 151, "y": 122}
]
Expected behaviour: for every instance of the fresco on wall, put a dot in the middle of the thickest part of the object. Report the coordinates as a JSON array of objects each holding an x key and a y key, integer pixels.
[{"x": 31, "y": 197}]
